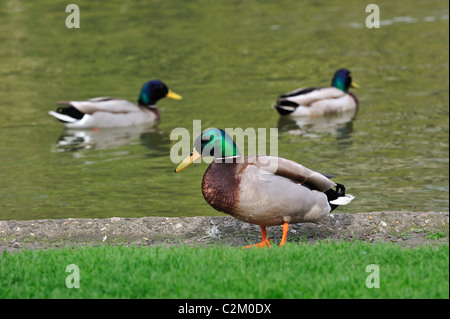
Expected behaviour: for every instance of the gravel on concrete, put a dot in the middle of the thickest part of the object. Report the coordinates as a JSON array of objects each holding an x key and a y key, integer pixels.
[{"x": 406, "y": 228}]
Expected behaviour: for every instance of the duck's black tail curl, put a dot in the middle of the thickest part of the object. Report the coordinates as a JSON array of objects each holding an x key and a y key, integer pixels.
[
  {"x": 69, "y": 110},
  {"x": 285, "y": 107},
  {"x": 337, "y": 196}
]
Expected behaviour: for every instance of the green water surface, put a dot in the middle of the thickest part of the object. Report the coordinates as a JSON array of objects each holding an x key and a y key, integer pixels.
[{"x": 229, "y": 60}]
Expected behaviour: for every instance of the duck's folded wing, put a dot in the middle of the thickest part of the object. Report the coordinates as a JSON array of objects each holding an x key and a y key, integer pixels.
[
  {"x": 293, "y": 171},
  {"x": 308, "y": 96},
  {"x": 104, "y": 104}
]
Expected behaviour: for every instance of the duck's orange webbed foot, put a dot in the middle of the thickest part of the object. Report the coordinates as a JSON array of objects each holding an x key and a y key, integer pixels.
[
  {"x": 263, "y": 244},
  {"x": 265, "y": 240}
]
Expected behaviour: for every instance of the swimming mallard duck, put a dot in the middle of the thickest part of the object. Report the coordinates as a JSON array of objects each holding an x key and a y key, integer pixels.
[
  {"x": 112, "y": 112},
  {"x": 314, "y": 101},
  {"x": 262, "y": 190}
]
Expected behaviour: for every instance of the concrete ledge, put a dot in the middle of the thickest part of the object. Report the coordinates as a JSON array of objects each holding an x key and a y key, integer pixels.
[{"x": 406, "y": 228}]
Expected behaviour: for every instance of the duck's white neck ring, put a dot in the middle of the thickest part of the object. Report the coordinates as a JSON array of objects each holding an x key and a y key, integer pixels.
[{"x": 228, "y": 159}]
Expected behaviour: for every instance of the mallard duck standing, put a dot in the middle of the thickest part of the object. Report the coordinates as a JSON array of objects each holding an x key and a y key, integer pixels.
[
  {"x": 315, "y": 101},
  {"x": 262, "y": 190},
  {"x": 112, "y": 112}
]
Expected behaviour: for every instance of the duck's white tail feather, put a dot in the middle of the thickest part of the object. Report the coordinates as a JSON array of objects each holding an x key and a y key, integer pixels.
[
  {"x": 63, "y": 117},
  {"x": 343, "y": 200}
]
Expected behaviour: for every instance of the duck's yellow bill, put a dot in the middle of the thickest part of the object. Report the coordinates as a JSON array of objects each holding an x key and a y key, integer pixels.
[
  {"x": 173, "y": 95},
  {"x": 354, "y": 85},
  {"x": 188, "y": 160}
]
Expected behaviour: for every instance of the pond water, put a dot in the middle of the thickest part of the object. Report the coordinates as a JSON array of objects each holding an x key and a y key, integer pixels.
[{"x": 229, "y": 60}]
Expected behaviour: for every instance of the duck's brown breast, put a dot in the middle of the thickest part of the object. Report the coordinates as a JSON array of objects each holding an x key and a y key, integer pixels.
[
  {"x": 353, "y": 95},
  {"x": 153, "y": 110},
  {"x": 220, "y": 186}
]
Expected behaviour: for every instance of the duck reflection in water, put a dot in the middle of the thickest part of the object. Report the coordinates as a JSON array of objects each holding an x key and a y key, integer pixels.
[
  {"x": 338, "y": 124},
  {"x": 149, "y": 135}
]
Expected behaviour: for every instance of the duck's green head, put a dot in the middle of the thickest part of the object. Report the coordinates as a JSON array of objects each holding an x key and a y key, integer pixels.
[
  {"x": 342, "y": 80},
  {"x": 154, "y": 90},
  {"x": 212, "y": 142}
]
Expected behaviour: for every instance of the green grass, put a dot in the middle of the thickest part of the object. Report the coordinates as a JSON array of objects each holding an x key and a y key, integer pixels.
[
  {"x": 323, "y": 270},
  {"x": 436, "y": 235}
]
